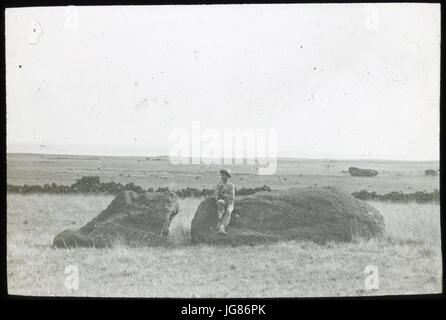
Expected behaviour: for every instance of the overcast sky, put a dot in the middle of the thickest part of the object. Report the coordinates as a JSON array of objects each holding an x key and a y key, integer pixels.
[{"x": 334, "y": 81}]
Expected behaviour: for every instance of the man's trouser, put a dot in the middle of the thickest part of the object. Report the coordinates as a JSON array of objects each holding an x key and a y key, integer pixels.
[{"x": 224, "y": 211}]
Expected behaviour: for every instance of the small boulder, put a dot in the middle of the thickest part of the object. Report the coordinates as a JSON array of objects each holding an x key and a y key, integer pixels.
[
  {"x": 315, "y": 214},
  {"x": 430, "y": 172},
  {"x": 131, "y": 218}
]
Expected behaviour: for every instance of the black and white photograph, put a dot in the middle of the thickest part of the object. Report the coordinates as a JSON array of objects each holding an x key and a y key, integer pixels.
[{"x": 223, "y": 151}]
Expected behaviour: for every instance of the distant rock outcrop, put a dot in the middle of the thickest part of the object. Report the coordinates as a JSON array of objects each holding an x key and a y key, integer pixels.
[
  {"x": 314, "y": 214},
  {"x": 131, "y": 218},
  {"x": 357, "y": 172},
  {"x": 398, "y": 196}
]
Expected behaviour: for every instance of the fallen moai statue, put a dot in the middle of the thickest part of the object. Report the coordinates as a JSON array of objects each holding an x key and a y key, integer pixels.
[
  {"x": 357, "y": 172},
  {"x": 314, "y": 214},
  {"x": 131, "y": 218},
  {"x": 430, "y": 172}
]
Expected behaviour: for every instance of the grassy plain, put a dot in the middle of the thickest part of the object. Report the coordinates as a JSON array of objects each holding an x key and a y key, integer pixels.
[
  {"x": 408, "y": 256},
  {"x": 406, "y": 176}
]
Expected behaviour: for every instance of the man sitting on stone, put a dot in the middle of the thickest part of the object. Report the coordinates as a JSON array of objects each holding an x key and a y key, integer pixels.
[{"x": 225, "y": 194}]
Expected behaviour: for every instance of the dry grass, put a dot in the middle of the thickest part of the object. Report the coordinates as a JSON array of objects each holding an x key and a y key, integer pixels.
[
  {"x": 179, "y": 229},
  {"x": 408, "y": 257},
  {"x": 411, "y": 223}
]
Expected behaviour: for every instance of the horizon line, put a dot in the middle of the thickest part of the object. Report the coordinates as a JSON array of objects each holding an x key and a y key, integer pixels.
[{"x": 167, "y": 156}]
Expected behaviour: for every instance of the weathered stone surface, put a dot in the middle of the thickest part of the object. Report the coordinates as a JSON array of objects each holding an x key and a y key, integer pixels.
[
  {"x": 314, "y": 214},
  {"x": 357, "y": 172},
  {"x": 131, "y": 218}
]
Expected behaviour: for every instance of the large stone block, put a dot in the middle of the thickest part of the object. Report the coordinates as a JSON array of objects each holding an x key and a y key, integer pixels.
[
  {"x": 131, "y": 218},
  {"x": 314, "y": 214}
]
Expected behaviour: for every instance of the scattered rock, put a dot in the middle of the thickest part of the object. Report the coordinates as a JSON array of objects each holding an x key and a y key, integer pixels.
[
  {"x": 86, "y": 184},
  {"x": 131, "y": 218},
  {"x": 93, "y": 185},
  {"x": 314, "y": 214}
]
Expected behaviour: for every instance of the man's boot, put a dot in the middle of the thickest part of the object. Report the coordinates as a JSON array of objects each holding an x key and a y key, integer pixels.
[{"x": 222, "y": 230}]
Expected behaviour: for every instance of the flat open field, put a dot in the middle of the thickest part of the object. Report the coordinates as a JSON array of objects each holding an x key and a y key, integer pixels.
[
  {"x": 408, "y": 257},
  {"x": 159, "y": 172}
]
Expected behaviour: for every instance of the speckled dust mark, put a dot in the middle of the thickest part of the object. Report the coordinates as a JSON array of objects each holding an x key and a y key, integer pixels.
[{"x": 35, "y": 33}]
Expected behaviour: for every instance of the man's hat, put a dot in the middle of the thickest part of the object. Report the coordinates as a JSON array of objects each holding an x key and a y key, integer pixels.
[{"x": 226, "y": 171}]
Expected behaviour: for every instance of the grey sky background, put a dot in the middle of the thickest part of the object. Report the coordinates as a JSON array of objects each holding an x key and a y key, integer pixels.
[{"x": 334, "y": 81}]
